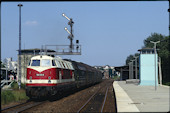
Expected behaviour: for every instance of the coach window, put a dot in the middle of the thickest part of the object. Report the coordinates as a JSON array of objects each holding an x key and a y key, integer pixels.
[
  {"x": 35, "y": 63},
  {"x": 45, "y": 62}
]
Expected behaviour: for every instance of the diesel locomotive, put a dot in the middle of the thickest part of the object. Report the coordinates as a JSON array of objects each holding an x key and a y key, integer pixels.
[{"x": 47, "y": 75}]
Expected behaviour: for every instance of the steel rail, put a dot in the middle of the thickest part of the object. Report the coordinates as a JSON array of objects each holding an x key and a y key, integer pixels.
[
  {"x": 87, "y": 101},
  {"x": 22, "y": 108},
  {"x": 104, "y": 100},
  {"x": 92, "y": 97},
  {"x": 27, "y": 107},
  {"x": 12, "y": 106}
]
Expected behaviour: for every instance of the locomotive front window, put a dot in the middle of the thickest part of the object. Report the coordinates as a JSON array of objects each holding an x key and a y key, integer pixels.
[
  {"x": 45, "y": 62},
  {"x": 53, "y": 63},
  {"x": 35, "y": 63}
]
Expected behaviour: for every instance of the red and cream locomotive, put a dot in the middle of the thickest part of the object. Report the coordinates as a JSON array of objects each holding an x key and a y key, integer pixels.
[{"x": 48, "y": 75}]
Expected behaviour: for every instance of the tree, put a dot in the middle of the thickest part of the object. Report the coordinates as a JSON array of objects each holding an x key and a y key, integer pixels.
[
  {"x": 131, "y": 57},
  {"x": 162, "y": 51}
]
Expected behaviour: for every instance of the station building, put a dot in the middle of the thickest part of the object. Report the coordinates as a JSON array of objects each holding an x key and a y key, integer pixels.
[{"x": 148, "y": 62}]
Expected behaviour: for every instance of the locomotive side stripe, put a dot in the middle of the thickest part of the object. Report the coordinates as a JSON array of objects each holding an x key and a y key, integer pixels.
[
  {"x": 47, "y": 81},
  {"x": 45, "y": 84},
  {"x": 48, "y": 84}
]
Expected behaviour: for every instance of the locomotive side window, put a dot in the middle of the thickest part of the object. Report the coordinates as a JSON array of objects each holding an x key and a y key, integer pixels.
[
  {"x": 35, "y": 63},
  {"x": 57, "y": 62},
  {"x": 61, "y": 64},
  {"x": 71, "y": 67},
  {"x": 67, "y": 66},
  {"x": 45, "y": 62},
  {"x": 53, "y": 63}
]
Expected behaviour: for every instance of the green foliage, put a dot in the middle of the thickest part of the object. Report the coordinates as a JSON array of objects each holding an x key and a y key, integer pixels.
[
  {"x": 15, "y": 86},
  {"x": 167, "y": 83},
  {"x": 8, "y": 96},
  {"x": 19, "y": 95},
  {"x": 131, "y": 57},
  {"x": 162, "y": 51},
  {"x": 116, "y": 78}
]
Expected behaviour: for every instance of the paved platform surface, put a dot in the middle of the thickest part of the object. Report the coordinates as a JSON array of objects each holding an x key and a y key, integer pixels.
[{"x": 136, "y": 98}]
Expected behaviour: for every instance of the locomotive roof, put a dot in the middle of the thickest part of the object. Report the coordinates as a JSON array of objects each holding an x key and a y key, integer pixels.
[
  {"x": 42, "y": 57},
  {"x": 59, "y": 61}
]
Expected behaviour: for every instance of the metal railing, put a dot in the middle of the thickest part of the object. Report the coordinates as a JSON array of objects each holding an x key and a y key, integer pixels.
[{"x": 61, "y": 50}]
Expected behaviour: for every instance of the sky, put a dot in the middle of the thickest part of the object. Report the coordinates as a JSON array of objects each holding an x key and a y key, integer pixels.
[{"x": 108, "y": 32}]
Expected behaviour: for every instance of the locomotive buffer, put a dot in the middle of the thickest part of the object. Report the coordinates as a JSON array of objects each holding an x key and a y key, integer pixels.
[{"x": 64, "y": 49}]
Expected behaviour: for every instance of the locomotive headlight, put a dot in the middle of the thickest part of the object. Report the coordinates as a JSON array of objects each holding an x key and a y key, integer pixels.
[
  {"x": 30, "y": 78},
  {"x": 49, "y": 81}
]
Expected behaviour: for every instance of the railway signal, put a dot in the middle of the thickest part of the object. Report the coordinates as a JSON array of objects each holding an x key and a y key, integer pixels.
[
  {"x": 71, "y": 32},
  {"x": 64, "y": 49}
]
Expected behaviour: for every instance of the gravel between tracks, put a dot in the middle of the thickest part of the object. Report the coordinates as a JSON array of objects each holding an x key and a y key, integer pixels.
[{"x": 71, "y": 103}]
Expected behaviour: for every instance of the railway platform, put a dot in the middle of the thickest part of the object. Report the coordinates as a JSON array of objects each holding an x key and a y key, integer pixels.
[{"x": 131, "y": 97}]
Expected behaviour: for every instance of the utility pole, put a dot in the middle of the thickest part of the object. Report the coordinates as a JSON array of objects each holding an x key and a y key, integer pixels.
[
  {"x": 169, "y": 40},
  {"x": 19, "y": 78},
  {"x": 129, "y": 69},
  {"x": 155, "y": 58}
]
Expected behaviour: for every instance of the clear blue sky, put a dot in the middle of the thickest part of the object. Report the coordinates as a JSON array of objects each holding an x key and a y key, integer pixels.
[{"x": 108, "y": 31}]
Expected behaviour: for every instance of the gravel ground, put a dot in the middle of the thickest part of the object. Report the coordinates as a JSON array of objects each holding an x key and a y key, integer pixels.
[{"x": 72, "y": 102}]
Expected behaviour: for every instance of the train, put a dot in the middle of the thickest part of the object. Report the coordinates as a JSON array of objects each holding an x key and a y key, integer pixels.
[{"x": 49, "y": 75}]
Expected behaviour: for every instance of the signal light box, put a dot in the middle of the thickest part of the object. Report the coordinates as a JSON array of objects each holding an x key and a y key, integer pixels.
[{"x": 147, "y": 67}]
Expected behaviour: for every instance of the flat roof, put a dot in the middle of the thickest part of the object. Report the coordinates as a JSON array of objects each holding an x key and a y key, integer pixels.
[{"x": 146, "y": 49}]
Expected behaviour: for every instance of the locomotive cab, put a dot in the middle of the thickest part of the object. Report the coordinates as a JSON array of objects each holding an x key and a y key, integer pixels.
[{"x": 47, "y": 75}]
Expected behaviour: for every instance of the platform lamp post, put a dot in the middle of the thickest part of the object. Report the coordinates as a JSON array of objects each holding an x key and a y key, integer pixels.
[
  {"x": 19, "y": 78},
  {"x": 129, "y": 69},
  {"x": 155, "y": 58},
  {"x": 136, "y": 66},
  {"x": 132, "y": 67}
]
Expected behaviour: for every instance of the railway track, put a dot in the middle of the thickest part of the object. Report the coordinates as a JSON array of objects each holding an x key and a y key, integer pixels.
[
  {"x": 21, "y": 107},
  {"x": 96, "y": 103}
]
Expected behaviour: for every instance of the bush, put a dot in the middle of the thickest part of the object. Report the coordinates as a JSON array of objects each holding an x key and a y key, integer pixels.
[
  {"x": 8, "y": 96},
  {"x": 20, "y": 95},
  {"x": 15, "y": 86},
  {"x": 167, "y": 83},
  {"x": 117, "y": 78}
]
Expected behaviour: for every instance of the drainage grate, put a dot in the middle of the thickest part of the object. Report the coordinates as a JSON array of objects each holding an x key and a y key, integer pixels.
[{"x": 135, "y": 103}]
